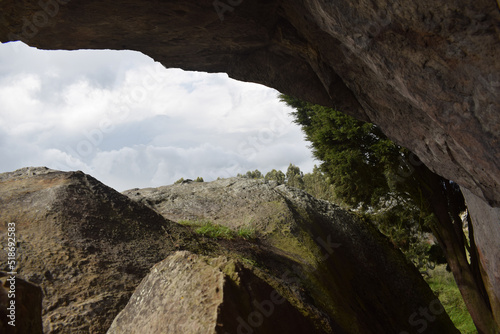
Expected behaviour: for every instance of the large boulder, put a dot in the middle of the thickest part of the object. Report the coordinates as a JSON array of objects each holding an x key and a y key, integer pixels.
[
  {"x": 187, "y": 293},
  {"x": 326, "y": 258},
  {"x": 86, "y": 245}
]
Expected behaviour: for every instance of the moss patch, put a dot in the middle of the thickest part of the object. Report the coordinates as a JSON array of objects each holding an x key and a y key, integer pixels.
[{"x": 208, "y": 229}]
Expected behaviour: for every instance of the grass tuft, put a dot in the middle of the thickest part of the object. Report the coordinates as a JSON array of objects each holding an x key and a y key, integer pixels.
[
  {"x": 193, "y": 223},
  {"x": 215, "y": 231},
  {"x": 247, "y": 233}
]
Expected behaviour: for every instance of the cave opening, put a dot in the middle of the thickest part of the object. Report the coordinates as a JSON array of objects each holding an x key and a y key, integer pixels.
[{"x": 131, "y": 122}]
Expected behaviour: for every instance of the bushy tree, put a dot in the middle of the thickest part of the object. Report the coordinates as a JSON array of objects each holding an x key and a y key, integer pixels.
[
  {"x": 294, "y": 177},
  {"x": 318, "y": 184},
  {"x": 256, "y": 174},
  {"x": 356, "y": 155},
  {"x": 275, "y": 175}
]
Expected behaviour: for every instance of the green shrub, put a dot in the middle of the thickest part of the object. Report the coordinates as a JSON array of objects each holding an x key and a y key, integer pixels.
[{"x": 208, "y": 229}]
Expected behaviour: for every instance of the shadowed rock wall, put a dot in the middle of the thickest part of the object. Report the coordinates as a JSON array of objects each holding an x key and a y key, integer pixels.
[{"x": 21, "y": 307}]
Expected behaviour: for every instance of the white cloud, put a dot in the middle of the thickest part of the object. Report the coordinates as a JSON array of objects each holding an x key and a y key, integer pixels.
[{"x": 130, "y": 122}]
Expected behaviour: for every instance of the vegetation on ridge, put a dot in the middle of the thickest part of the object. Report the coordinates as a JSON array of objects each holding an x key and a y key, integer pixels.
[{"x": 216, "y": 231}]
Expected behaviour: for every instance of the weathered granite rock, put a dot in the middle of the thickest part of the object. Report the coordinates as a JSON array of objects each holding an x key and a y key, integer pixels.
[
  {"x": 25, "y": 315},
  {"x": 320, "y": 257},
  {"x": 86, "y": 245},
  {"x": 187, "y": 293}
]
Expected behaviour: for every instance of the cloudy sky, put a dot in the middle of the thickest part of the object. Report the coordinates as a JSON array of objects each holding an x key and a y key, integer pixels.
[{"x": 128, "y": 121}]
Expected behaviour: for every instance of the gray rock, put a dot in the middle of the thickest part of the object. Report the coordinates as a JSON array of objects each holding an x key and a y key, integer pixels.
[
  {"x": 187, "y": 293},
  {"x": 344, "y": 267}
]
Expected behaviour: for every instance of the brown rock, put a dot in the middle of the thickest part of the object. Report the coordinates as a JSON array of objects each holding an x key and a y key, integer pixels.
[
  {"x": 85, "y": 244},
  {"x": 187, "y": 293},
  {"x": 180, "y": 295},
  {"x": 26, "y": 313}
]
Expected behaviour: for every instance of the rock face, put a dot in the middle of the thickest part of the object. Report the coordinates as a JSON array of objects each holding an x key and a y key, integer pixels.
[
  {"x": 487, "y": 238},
  {"x": 85, "y": 244},
  {"x": 88, "y": 247},
  {"x": 187, "y": 293},
  {"x": 328, "y": 256}
]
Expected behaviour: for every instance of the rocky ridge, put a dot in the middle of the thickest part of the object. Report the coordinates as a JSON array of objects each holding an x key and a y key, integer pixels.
[
  {"x": 320, "y": 239},
  {"x": 88, "y": 247}
]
